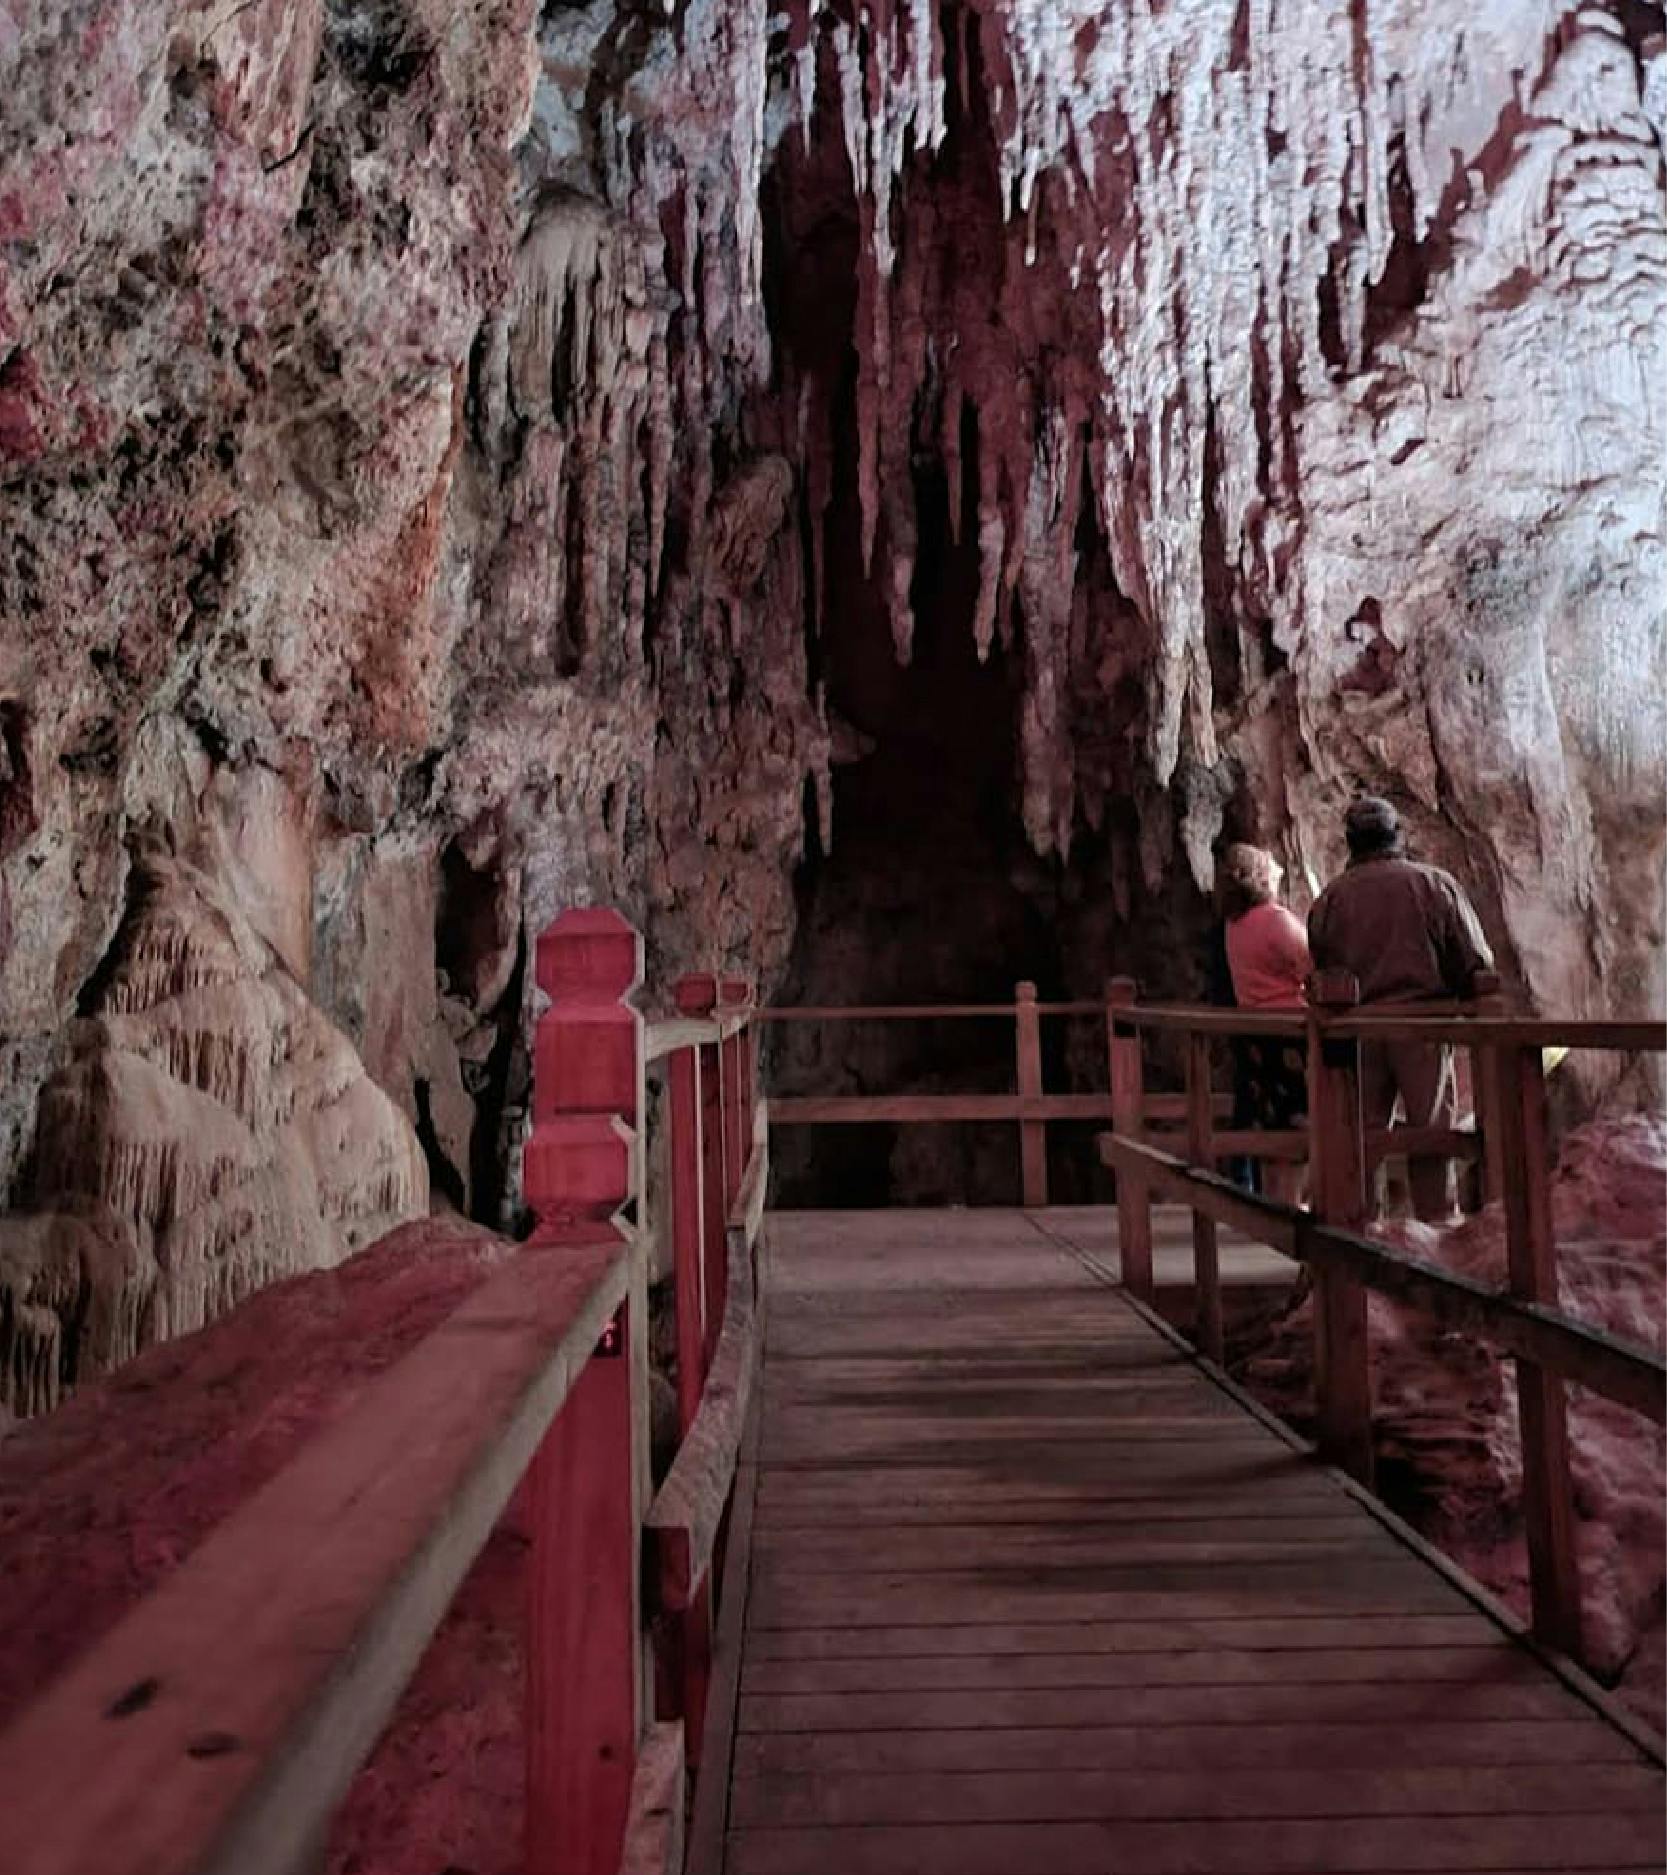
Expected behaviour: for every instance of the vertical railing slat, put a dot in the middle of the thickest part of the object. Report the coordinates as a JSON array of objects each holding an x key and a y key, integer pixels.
[
  {"x": 1343, "y": 1362},
  {"x": 1206, "y": 1262},
  {"x": 1033, "y": 1134},
  {"x": 1542, "y": 1405},
  {"x": 1128, "y": 1101}
]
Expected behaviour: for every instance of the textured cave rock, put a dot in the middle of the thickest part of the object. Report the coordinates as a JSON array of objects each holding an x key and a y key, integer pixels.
[{"x": 460, "y": 452}]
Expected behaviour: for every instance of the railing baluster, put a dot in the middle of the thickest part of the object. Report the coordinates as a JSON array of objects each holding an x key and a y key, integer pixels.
[
  {"x": 732, "y": 993},
  {"x": 1486, "y": 1091},
  {"x": 1542, "y": 1406},
  {"x": 697, "y": 995},
  {"x": 688, "y": 1203},
  {"x": 1343, "y": 1358},
  {"x": 1206, "y": 1263},
  {"x": 588, "y": 1481},
  {"x": 1128, "y": 1100},
  {"x": 1033, "y": 1134}
]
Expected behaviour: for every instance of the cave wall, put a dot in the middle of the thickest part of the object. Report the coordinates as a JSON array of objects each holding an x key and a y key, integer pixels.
[
  {"x": 1314, "y": 355},
  {"x": 425, "y": 430}
]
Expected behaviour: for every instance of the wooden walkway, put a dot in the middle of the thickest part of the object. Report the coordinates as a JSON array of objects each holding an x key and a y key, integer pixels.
[{"x": 1025, "y": 1593}]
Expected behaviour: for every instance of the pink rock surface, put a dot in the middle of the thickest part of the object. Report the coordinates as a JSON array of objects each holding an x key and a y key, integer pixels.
[{"x": 100, "y": 1500}]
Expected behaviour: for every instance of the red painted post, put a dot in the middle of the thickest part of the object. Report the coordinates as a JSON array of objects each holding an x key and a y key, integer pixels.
[
  {"x": 1542, "y": 1405},
  {"x": 1343, "y": 1358},
  {"x": 585, "y": 1485},
  {"x": 1206, "y": 1263},
  {"x": 697, "y": 995},
  {"x": 1033, "y": 1134},
  {"x": 1128, "y": 1100}
]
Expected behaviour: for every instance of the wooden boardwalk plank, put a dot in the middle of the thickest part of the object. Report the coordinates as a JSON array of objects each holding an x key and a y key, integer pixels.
[
  {"x": 1208, "y": 1846},
  {"x": 778, "y": 1799},
  {"x": 1028, "y": 1593},
  {"x": 1522, "y": 1745}
]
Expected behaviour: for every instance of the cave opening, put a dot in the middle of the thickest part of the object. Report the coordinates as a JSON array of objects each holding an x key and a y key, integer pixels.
[{"x": 930, "y": 893}]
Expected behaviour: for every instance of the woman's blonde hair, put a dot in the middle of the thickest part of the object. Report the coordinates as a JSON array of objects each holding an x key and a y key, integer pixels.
[{"x": 1246, "y": 877}]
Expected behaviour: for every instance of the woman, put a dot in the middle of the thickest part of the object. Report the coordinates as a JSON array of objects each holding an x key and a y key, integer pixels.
[{"x": 1267, "y": 956}]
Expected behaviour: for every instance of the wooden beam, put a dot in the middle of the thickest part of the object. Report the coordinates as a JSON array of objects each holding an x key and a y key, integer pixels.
[
  {"x": 1033, "y": 1136},
  {"x": 654, "y": 1832},
  {"x": 1511, "y": 1031},
  {"x": 688, "y": 1213},
  {"x": 227, "y": 1713},
  {"x": 1531, "y": 1257},
  {"x": 584, "y": 1697},
  {"x": 1129, "y": 1112},
  {"x": 582, "y": 1625},
  {"x": 1208, "y": 1019},
  {"x": 688, "y": 1509},
  {"x": 1206, "y": 1263},
  {"x": 1343, "y": 1354},
  {"x": 746, "y": 1214}
]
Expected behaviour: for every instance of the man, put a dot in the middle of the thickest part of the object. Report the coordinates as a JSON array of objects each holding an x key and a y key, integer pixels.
[{"x": 1410, "y": 935}]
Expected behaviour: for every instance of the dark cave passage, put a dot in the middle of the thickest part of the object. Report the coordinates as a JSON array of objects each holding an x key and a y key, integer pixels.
[{"x": 930, "y": 895}]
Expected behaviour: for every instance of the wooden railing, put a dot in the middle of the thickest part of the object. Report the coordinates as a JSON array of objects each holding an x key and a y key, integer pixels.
[
  {"x": 216, "y": 1727},
  {"x": 1523, "y": 1322},
  {"x": 1030, "y": 1107}
]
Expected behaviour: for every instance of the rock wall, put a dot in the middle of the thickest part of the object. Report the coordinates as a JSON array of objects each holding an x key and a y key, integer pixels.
[{"x": 442, "y": 446}]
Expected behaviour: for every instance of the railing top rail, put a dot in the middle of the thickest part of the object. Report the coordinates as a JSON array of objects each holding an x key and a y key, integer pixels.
[
  {"x": 921, "y": 1012},
  {"x": 269, "y": 1683},
  {"x": 1464, "y": 1023},
  {"x": 1525, "y": 1031},
  {"x": 1208, "y": 1019}
]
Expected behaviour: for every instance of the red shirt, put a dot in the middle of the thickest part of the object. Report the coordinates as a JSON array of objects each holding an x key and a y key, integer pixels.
[{"x": 1267, "y": 953}]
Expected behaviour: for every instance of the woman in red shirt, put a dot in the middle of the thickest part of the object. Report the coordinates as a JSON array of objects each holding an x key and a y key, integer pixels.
[{"x": 1267, "y": 954}]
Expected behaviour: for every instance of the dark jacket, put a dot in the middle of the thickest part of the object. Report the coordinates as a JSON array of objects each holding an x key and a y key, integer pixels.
[{"x": 1406, "y": 931}]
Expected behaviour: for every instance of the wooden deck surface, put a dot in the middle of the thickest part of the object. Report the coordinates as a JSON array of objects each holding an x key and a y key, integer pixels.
[{"x": 1026, "y": 1594}]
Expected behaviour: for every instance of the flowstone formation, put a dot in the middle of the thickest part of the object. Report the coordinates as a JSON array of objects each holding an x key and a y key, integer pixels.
[
  {"x": 209, "y": 1132},
  {"x": 447, "y": 451}
]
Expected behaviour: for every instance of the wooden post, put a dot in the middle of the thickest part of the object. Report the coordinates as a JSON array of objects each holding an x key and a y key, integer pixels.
[
  {"x": 697, "y": 995},
  {"x": 1033, "y": 1134},
  {"x": 1206, "y": 1267},
  {"x": 733, "y": 993},
  {"x": 1343, "y": 1358},
  {"x": 1486, "y": 1091},
  {"x": 588, "y": 1480},
  {"x": 1128, "y": 1100},
  {"x": 688, "y": 1210},
  {"x": 1542, "y": 1407}
]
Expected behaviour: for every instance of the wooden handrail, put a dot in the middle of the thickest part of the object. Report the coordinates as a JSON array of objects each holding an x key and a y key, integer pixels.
[
  {"x": 688, "y": 1509},
  {"x": 1519, "y": 1031},
  {"x": 917, "y": 1012},
  {"x": 1620, "y": 1370}
]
